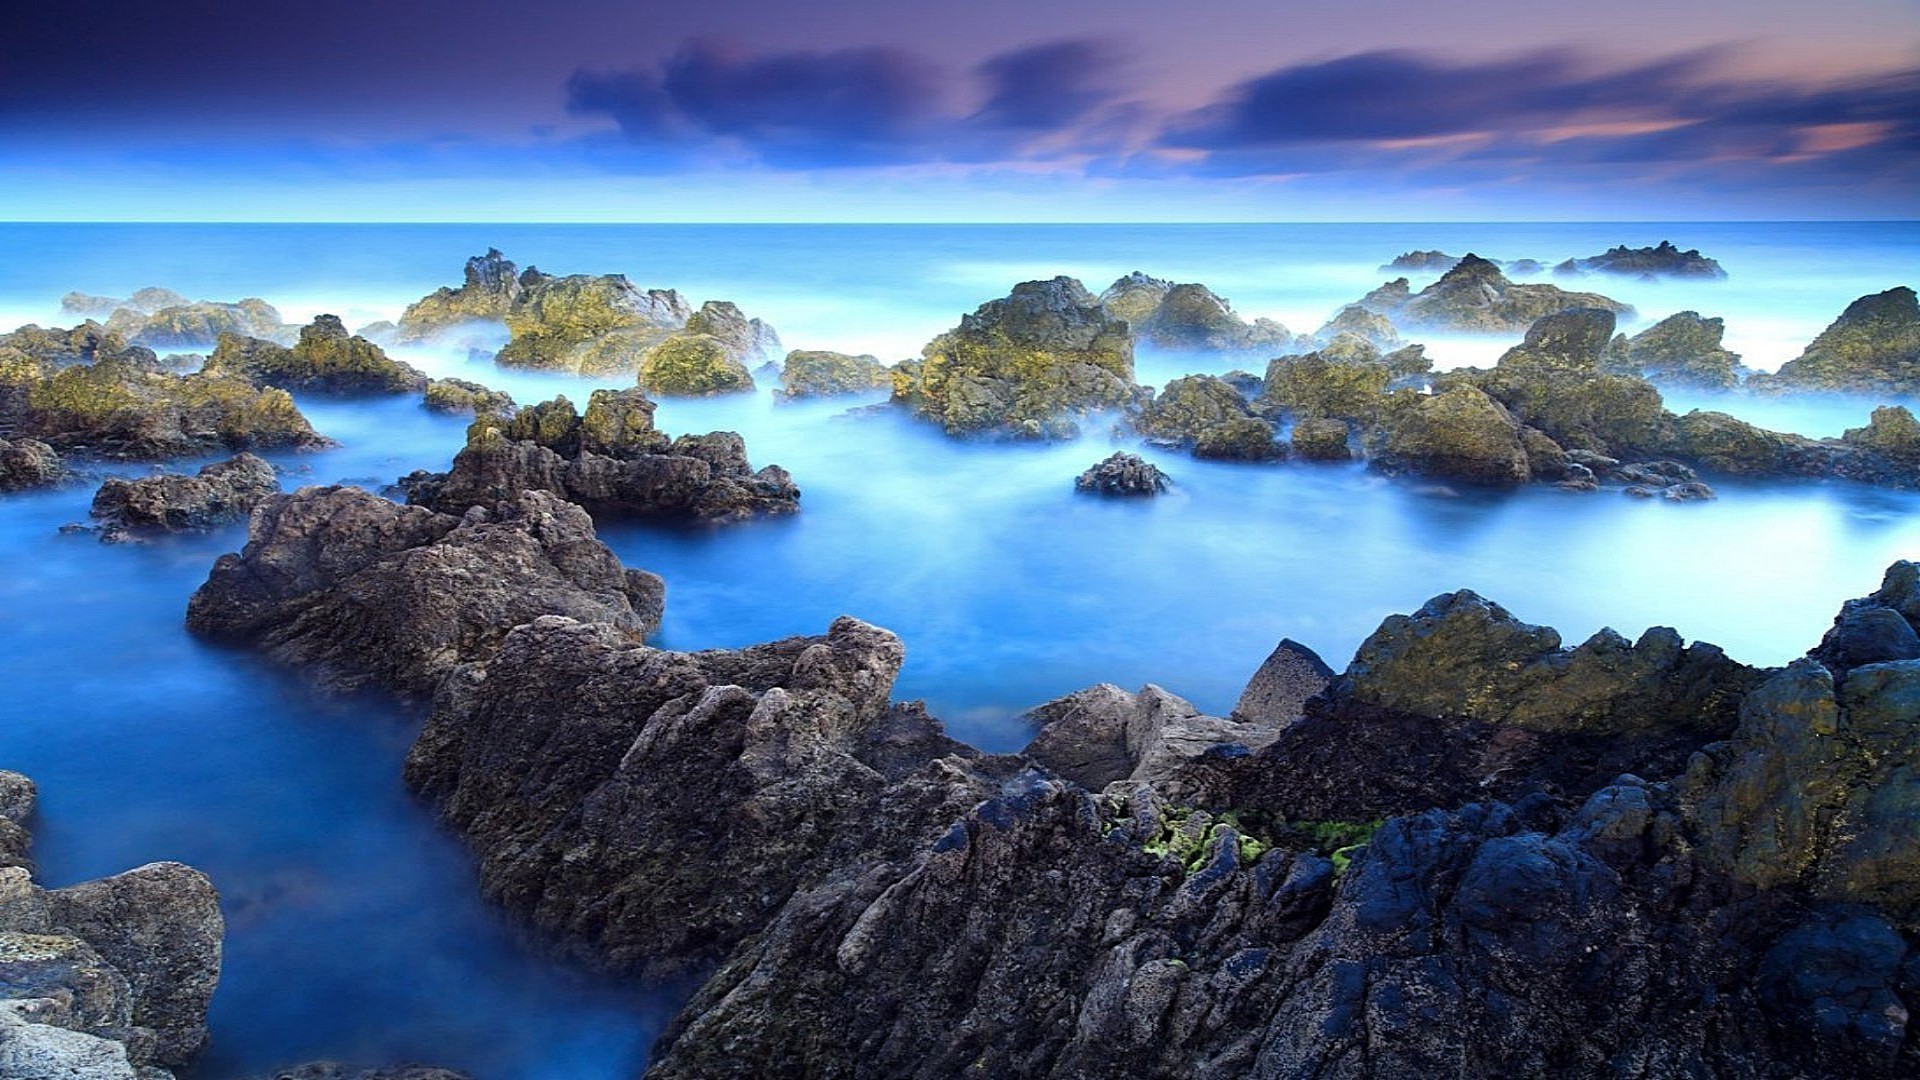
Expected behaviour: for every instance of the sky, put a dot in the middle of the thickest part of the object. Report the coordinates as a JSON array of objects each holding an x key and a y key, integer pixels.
[{"x": 987, "y": 110}]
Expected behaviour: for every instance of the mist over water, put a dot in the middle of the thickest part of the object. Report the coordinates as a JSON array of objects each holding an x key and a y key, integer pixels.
[{"x": 355, "y": 927}]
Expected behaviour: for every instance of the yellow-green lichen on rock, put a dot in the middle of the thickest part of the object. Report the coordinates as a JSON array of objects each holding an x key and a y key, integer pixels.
[{"x": 693, "y": 365}]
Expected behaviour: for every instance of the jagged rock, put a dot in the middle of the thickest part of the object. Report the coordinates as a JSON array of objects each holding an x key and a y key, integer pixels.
[
  {"x": 1370, "y": 326},
  {"x": 86, "y": 390},
  {"x": 1475, "y": 296},
  {"x": 223, "y": 492},
  {"x": 1135, "y": 297},
  {"x": 1291, "y": 674},
  {"x": 358, "y": 591},
  {"x": 325, "y": 360},
  {"x": 680, "y": 799},
  {"x": 1192, "y": 317},
  {"x": 1664, "y": 260},
  {"x": 1123, "y": 474},
  {"x": 461, "y": 395},
  {"x": 748, "y": 341},
  {"x": 1023, "y": 365},
  {"x": 1680, "y": 350},
  {"x": 1320, "y": 438},
  {"x": 819, "y": 373},
  {"x": 1100, "y": 735},
  {"x": 1891, "y": 431},
  {"x": 488, "y": 293},
  {"x": 1461, "y": 434},
  {"x": 588, "y": 325},
  {"x": 1247, "y": 438},
  {"x": 1421, "y": 261},
  {"x": 87, "y": 306},
  {"x": 17, "y": 798},
  {"x": 1873, "y": 347},
  {"x": 693, "y": 365},
  {"x": 1350, "y": 384},
  {"x": 29, "y": 463},
  {"x": 1190, "y": 406},
  {"x": 196, "y": 325},
  {"x": 611, "y": 461}
]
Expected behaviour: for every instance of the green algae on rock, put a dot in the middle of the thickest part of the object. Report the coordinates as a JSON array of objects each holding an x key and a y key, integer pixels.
[
  {"x": 325, "y": 360},
  {"x": 822, "y": 373},
  {"x": 1873, "y": 347},
  {"x": 693, "y": 365}
]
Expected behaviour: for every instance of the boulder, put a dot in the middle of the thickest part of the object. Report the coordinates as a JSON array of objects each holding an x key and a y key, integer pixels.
[
  {"x": 1423, "y": 261},
  {"x": 491, "y": 287},
  {"x": 197, "y": 325},
  {"x": 693, "y": 365},
  {"x": 1023, "y": 366},
  {"x": 221, "y": 493},
  {"x": 748, "y": 341},
  {"x": 1475, "y": 296},
  {"x": 1135, "y": 297},
  {"x": 357, "y": 591},
  {"x": 1102, "y": 735},
  {"x": 819, "y": 373},
  {"x": 1349, "y": 384},
  {"x": 1290, "y": 676},
  {"x": 1193, "y": 317},
  {"x": 1123, "y": 474},
  {"x": 588, "y": 325},
  {"x": 461, "y": 395},
  {"x": 29, "y": 463},
  {"x": 1247, "y": 438},
  {"x": 1461, "y": 434},
  {"x": 1873, "y": 347},
  {"x": 326, "y": 360},
  {"x": 1680, "y": 350},
  {"x": 1369, "y": 326},
  {"x": 1662, "y": 260},
  {"x": 1190, "y": 406},
  {"x": 1320, "y": 438}
]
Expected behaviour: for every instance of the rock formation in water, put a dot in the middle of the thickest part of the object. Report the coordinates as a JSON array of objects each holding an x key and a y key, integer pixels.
[
  {"x": 1423, "y": 261},
  {"x": 492, "y": 285},
  {"x": 463, "y": 395},
  {"x": 326, "y": 360},
  {"x": 105, "y": 980},
  {"x": 219, "y": 494},
  {"x": 820, "y": 373},
  {"x": 1873, "y": 347},
  {"x": 1123, "y": 474},
  {"x": 29, "y": 463},
  {"x": 358, "y": 591},
  {"x": 588, "y": 325},
  {"x": 163, "y": 319},
  {"x": 693, "y": 365},
  {"x": 1679, "y": 350},
  {"x": 1321, "y": 438},
  {"x": 1188, "y": 408},
  {"x": 1476, "y": 297},
  {"x": 1188, "y": 317},
  {"x": 1370, "y": 326},
  {"x": 611, "y": 460},
  {"x": 1663, "y": 260},
  {"x": 1023, "y": 366},
  {"x": 87, "y": 391}
]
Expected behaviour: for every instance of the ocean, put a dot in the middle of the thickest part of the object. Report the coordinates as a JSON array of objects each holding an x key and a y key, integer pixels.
[{"x": 355, "y": 927}]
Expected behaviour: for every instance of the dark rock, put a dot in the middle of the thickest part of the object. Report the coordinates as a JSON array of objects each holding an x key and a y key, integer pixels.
[
  {"x": 29, "y": 463},
  {"x": 221, "y": 493},
  {"x": 325, "y": 360},
  {"x": 333, "y": 1070},
  {"x": 1873, "y": 347},
  {"x": 815, "y": 373},
  {"x": 17, "y": 798},
  {"x": 1321, "y": 438},
  {"x": 1024, "y": 365},
  {"x": 358, "y": 591},
  {"x": 1100, "y": 735},
  {"x": 1123, "y": 474},
  {"x": 1291, "y": 674},
  {"x": 1663, "y": 260},
  {"x": 1475, "y": 296}
]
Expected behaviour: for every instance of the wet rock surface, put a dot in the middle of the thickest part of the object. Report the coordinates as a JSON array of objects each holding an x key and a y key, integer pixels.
[
  {"x": 821, "y": 373},
  {"x": 1123, "y": 474},
  {"x": 1475, "y": 296},
  {"x": 326, "y": 360},
  {"x": 1660, "y": 261},
  {"x": 220, "y": 493},
  {"x": 29, "y": 463},
  {"x": 1873, "y": 347}
]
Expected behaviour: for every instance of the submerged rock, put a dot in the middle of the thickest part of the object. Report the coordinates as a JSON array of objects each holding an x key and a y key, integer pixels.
[
  {"x": 1873, "y": 347},
  {"x": 1024, "y": 365},
  {"x": 221, "y": 493},
  {"x": 1475, "y": 296},
  {"x": 820, "y": 373},
  {"x": 357, "y": 591},
  {"x": 325, "y": 360},
  {"x": 1663, "y": 260},
  {"x": 1123, "y": 474}
]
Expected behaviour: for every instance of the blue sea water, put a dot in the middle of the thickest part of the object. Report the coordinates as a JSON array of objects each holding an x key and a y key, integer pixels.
[{"x": 356, "y": 931}]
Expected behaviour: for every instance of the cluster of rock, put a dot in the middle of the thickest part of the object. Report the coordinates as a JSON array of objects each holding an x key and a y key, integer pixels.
[
  {"x": 326, "y": 359},
  {"x": 610, "y": 459},
  {"x": 87, "y": 390},
  {"x": 219, "y": 494},
  {"x": 466, "y": 396},
  {"x": 105, "y": 980},
  {"x": 1122, "y": 473},
  {"x": 1683, "y": 350},
  {"x": 1188, "y": 317},
  {"x": 163, "y": 319},
  {"x": 1475, "y": 850},
  {"x": 596, "y": 325},
  {"x": 1474, "y": 296},
  {"x": 1662, "y": 260}
]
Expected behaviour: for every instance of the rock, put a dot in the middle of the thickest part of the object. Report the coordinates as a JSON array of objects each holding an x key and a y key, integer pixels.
[
  {"x": 488, "y": 293},
  {"x": 1103, "y": 734},
  {"x": 1023, "y": 365},
  {"x": 223, "y": 492},
  {"x": 1681, "y": 350},
  {"x": 588, "y": 325},
  {"x": 1423, "y": 261},
  {"x": 85, "y": 390},
  {"x": 1370, "y": 326},
  {"x": 196, "y": 325},
  {"x": 333, "y": 1070},
  {"x": 1193, "y": 317},
  {"x": 326, "y": 360},
  {"x": 89, "y": 307},
  {"x": 1123, "y": 474},
  {"x": 1246, "y": 439},
  {"x": 1569, "y": 342},
  {"x": 17, "y": 797},
  {"x": 1664, "y": 260},
  {"x": 693, "y": 365},
  {"x": 357, "y": 591},
  {"x": 1891, "y": 431},
  {"x": 1135, "y": 297},
  {"x": 1475, "y": 296},
  {"x": 1461, "y": 434},
  {"x": 611, "y": 461},
  {"x": 1320, "y": 438},
  {"x": 1291, "y": 674},
  {"x": 1349, "y": 386},
  {"x": 1190, "y": 406},
  {"x": 460, "y": 395},
  {"x": 29, "y": 463},
  {"x": 748, "y": 341},
  {"x": 1873, "y": 347},
  {"x": 817, "y": 373}
]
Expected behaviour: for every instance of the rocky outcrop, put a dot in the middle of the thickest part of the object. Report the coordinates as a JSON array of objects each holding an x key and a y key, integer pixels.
[
  {"x": 357, "y": 591},
  {"x": 326, "y": 360},
  {"x": 1023, "y": 366},
  {"x": 1461, "y": 434},
  {"x": 693, "y": 365},
  {"x": 219, "y": 494},
  {"x": 1873, "y": 347},
  {"x": 1346, "y": 384},
  {"x": 1247, "y": 438},
  {"x": 1369, "y": 326},
  {"x": 819, "y": 373},
  {"x": 1476, "y": 297},
  {"x": 462, "y": 395},
  {"x": 1188, "y": 317},
  {"x": 491, "y": 287},
  {"x": 749, "y": 341},
  {"x": 105, "y": 979},
  {"x": 1123, "y": 474},
  {"x": 158, "y": 318},
  {"x": 1190, "y": 407},
  {"x": 1278, "y": 692},
  {"x": 610, "y": 460},
  {"x": 1679, "y": 350},
  {"x": 29, "y": 463},
  {"x": 588, "y": 325},
  {"x": 1320, "y": 438},
  {"x": 87, "y": 391},
  {"x": 1423, "y": 261},
  {"x": 1662, "y": 260},
  {"x": 1103, "y": 735}
]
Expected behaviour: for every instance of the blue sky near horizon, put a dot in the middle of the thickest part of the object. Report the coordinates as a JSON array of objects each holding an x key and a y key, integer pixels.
[{"x": 998, "y": 110}]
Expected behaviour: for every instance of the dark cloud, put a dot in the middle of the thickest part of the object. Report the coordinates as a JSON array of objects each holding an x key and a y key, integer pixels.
[{"x": 849, "y": 107}]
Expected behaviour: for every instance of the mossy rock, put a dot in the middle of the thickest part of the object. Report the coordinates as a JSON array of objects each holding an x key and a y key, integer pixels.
[
  {"x": 693, "y": 365},
  {"x": 1874, "y": 346},
  {"x": 1461, "y": 434},
  {"x": 821, "y": 373},
  {"x": 589, "y": 325},
  {"x": 1190, "y": 406},
  {"x": 1722, "y": 443},
  {"x": 1316, "y": 385},
  {"x": 1246, "y": 438},
  {"x": 1683, "y": 349},
  {"x": 326, "y": 359},
  {"x": 619, "y": 424},
  {"x": 553, "y": 424},
  {"x": 462, "y": 395},
  {"x": 1321, "y": 438},
  {"x": 1892, "y": 430},
  {"x": 487, "y": 294}
]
